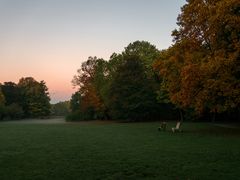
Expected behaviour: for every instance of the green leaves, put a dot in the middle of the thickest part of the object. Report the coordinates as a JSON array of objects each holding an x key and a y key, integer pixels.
[
  {"x": 35, "y": 97},
  {"x": 122, "y": 88},
  {"x": 2, "y": 98},
  {"x": 28, "y": 98}
]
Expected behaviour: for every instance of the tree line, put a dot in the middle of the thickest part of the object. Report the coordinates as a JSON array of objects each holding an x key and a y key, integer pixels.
[
  {"x": 198, "y": 76},
  {"x": 124, "y": 87},
  {"x": 27, "y": 99}
]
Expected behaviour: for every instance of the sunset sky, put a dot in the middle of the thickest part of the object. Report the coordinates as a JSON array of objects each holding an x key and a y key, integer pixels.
[{"x": 48, "y": 39}]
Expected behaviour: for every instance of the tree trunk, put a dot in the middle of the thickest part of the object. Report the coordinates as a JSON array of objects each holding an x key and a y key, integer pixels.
[
  {"x": 181, "y": 115},
  {"x": 214, "y": 116}
]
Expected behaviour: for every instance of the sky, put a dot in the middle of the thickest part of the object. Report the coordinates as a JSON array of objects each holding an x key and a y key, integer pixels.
[{"x": 49, "y": 39}]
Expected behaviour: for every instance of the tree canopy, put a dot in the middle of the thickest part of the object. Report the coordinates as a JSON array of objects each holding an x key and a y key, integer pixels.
[
  {"x": 122, "y": 88},
  {"x": 36, "y": 100},
  {"x": 202, "y": 70},
  {"x": 131, "y": 93},
  {"x": 2, "y": 98},
  {"x": 28, "y": 98}
]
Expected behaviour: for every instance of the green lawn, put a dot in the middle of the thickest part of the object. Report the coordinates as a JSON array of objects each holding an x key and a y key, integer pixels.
[{"x": 118, "y": 151}]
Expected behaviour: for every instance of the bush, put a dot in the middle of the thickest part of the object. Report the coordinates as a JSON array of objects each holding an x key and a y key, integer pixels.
[
  {"x": 13, "y": 111},
  {"x": 2, "y": 111},
  {"x": 88, "y": 114},
  {"x": 74, "y": 116}
]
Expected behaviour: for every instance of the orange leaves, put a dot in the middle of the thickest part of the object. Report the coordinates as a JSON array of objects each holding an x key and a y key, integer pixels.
[
  {"x": 202, "y": 69},
  {"x": 92, "y": 99},
  {"x": 88, "y": 79},
  {"x": 190, "y": 84}
]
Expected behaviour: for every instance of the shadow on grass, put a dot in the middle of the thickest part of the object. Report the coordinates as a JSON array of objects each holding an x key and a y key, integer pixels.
[{"x": 215, "y": 129}]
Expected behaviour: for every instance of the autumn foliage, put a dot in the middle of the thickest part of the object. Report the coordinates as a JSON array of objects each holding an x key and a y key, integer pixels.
[
  {"x": 202, "y": 69},
  {"x": 199, "y": 74},
  {"x": 122, "y": 88}
]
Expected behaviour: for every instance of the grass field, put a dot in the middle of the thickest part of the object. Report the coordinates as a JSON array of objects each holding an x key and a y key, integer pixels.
[{"x": 118, "y": 151}]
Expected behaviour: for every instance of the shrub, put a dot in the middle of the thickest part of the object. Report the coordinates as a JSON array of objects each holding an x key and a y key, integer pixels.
[{"x": 13, "y": 111}]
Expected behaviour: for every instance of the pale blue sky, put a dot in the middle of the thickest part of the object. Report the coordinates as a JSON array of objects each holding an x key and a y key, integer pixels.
[{"x": 48, "y": 39}]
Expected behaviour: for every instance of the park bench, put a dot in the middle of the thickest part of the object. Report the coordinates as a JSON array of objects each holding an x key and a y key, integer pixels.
[
  {"x": 163, "y": 126},
  {"x": 177, "y": 128}
]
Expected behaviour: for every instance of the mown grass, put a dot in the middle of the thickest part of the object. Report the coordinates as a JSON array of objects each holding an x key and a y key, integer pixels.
[{"x": 118, "y": 151}]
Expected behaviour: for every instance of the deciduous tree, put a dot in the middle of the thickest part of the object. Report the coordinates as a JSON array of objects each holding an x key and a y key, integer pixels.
[
  {"x": 2, "y": 98},
  {"x": 12, "y": 93},
  {"x": 201, "y": 70},
  {"x": 90, "y": 80},
  {"x": 131, "y": 94},
  {"x": 36, "y": 100}
]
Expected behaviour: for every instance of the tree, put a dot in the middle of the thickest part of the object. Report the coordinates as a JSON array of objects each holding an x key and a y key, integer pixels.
[
  {"x": 97, "y": 77},
  {"x": 90, "y": 79},
  {"x": 131, "y": 95},
  {"x": 172, "y": 88},
  {"x": 75, "y": 102},
  {"x": 2, "y": 104},
  {"x": 36, "y": 100},
  {"x": 9, "y": 109},
  {"x": 147, "y": 52},
  {"x": 13, "y": 111},
  {"x": 2, "y": 98},
  {"x": 201, "y": 70},
  {"x": 12, "y": 93},
  {"x": 60, "y": 108}
]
